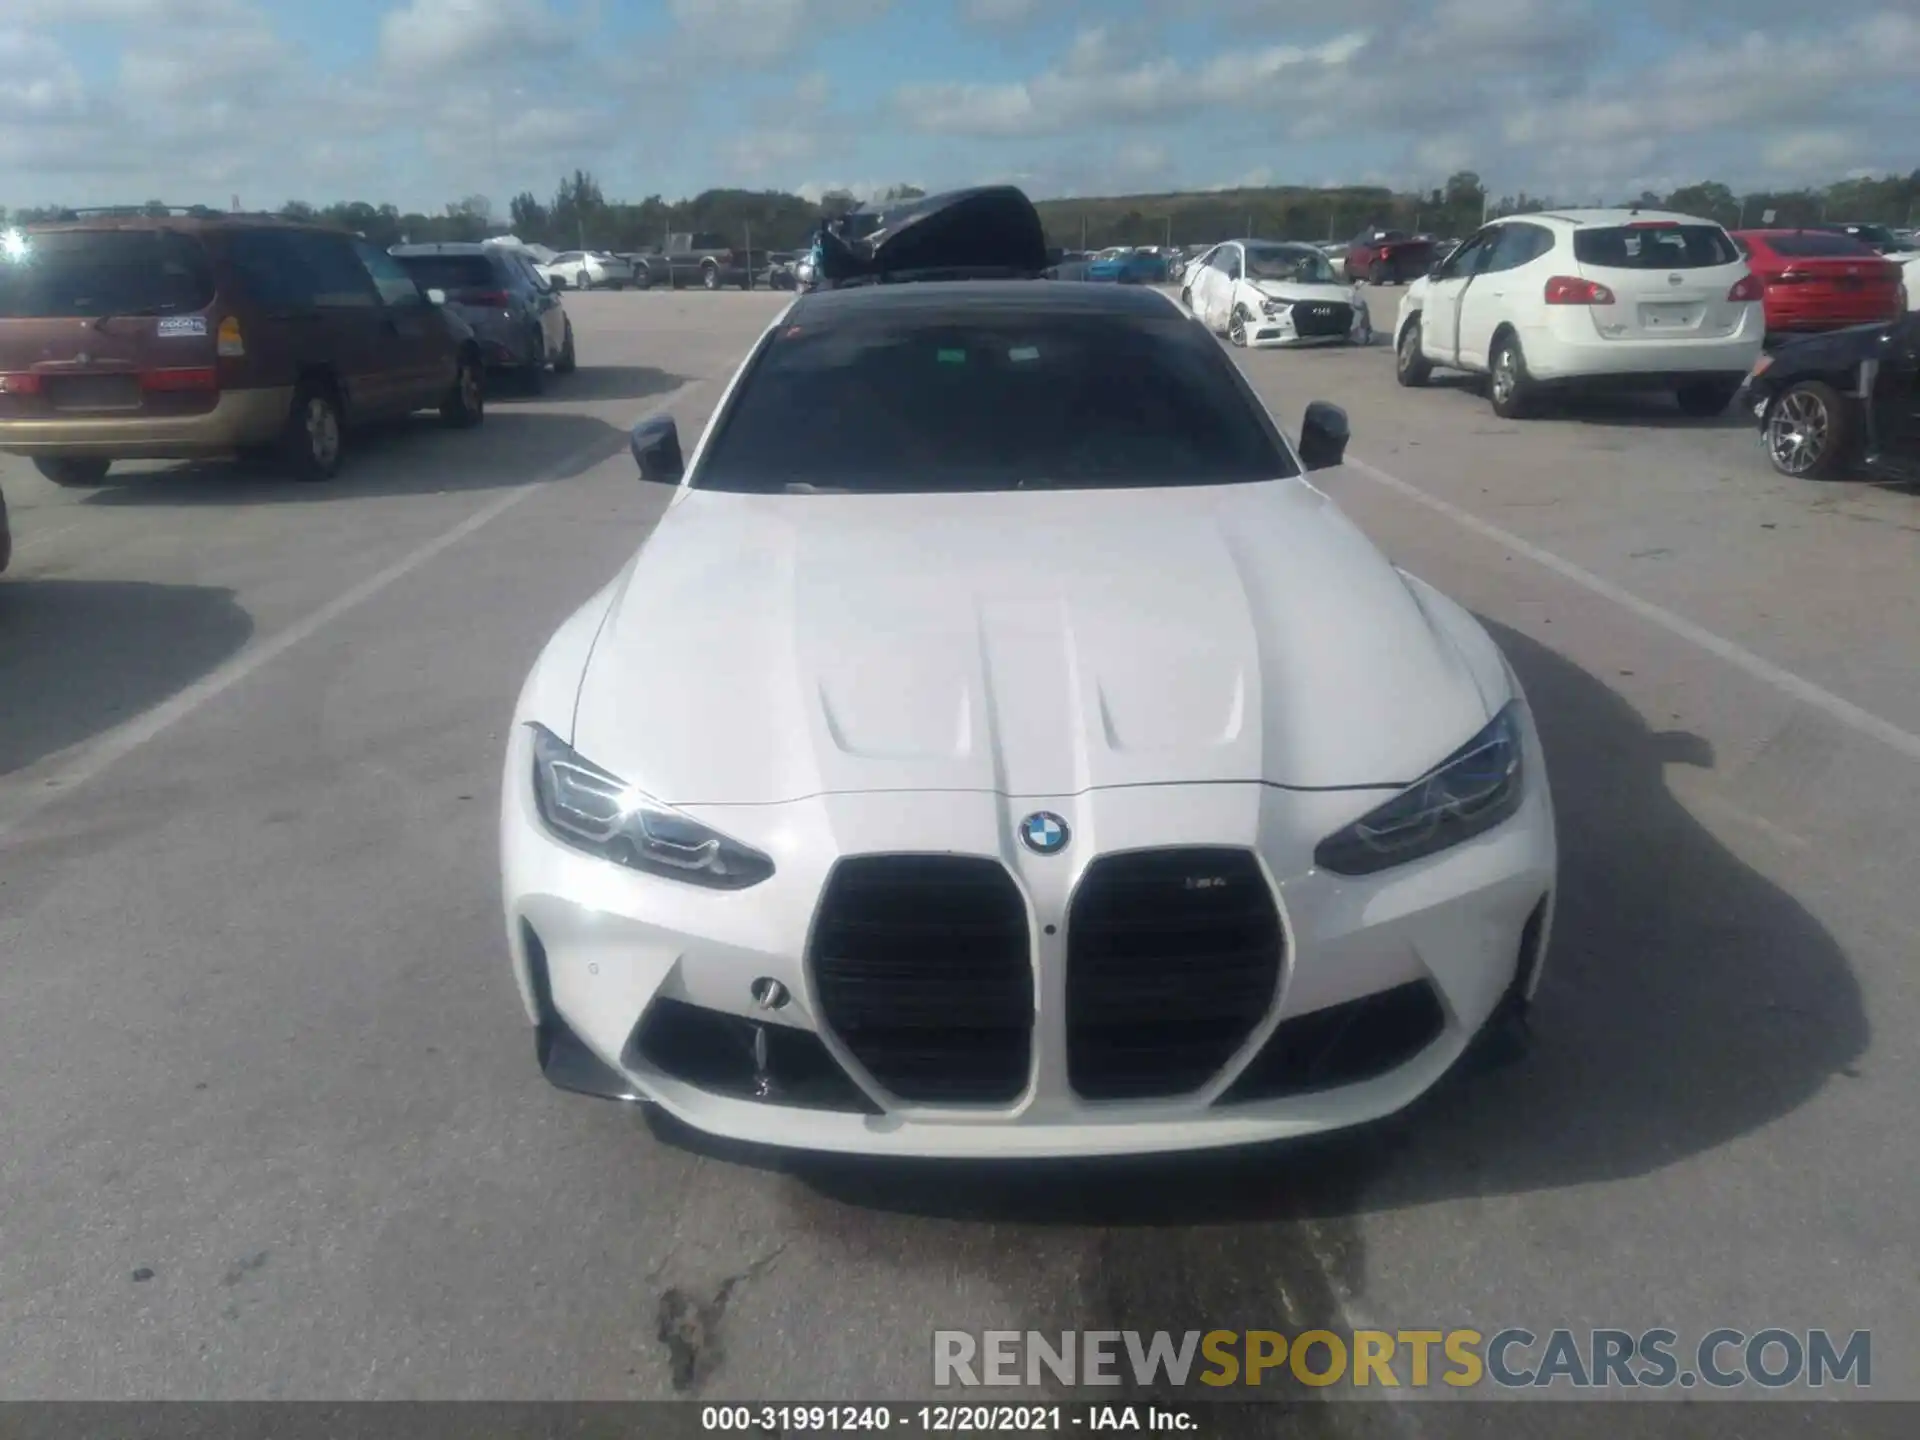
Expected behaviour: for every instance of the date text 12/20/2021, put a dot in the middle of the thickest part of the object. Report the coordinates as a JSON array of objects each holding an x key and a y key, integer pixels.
[{"x": 942, "y": 1419}]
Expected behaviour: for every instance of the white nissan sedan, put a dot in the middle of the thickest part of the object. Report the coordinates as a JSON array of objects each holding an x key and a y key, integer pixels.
[{"x": 999, "y": 748}]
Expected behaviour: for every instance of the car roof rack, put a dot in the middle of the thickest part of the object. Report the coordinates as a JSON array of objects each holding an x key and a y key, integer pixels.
[{"x": 990, "y": 232}]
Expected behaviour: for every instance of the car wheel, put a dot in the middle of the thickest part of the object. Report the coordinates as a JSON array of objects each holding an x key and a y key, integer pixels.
[
  {"x": 1410, "y": 367},
  {"x": 466, "y": 404},
  {"x": 73, "y": 469},
  {"x": 1377, "y": 274},
  {"x": 1186, "y": 301},
  {"x": 586, "y": 280},
  {"x": 567, "y": 362},
  {"x": 533, "y": 379},
  {"x": 1508, "y": 389},
  {"x": 710, "y": 277},
  {"x": 1703, "y": 402},
  {"x": 1237, "y": 326},
  {"x": 1810, "y": 430},
  {"x": 312, "y": 442}
]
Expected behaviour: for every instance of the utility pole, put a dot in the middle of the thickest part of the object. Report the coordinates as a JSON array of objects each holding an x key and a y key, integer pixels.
[
  {"x": 1083, "y": 233},
  {"x": 1169, "y": 244}
]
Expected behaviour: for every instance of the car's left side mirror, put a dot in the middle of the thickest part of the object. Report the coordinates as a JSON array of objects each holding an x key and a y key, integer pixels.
[
  {"x": 436, "y": 297},
  {"x": 656, "y": 450},
  {"x": 1323, "y": 436}
]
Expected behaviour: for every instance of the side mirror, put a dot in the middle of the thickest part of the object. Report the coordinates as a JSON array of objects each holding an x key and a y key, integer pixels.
[
  {"x": 1433, "y": 270},
  {"x": 436, "y": 297},
  {"x": 1323, "y": 436},
  {"x": 656, "y": 450}
]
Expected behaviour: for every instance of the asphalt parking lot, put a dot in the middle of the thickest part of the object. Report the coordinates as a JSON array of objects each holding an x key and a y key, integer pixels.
[{"x": 273, "y": 1124}]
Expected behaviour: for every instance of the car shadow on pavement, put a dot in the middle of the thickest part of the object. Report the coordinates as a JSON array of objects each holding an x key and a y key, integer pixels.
[
  {"x": 78, "y": 657},
  {"x": 1653, "y": 411},
  {"x": 1688, "y": 1001},
  {"x": 412, "y": 457},
  {"x": 589, "y": 382}
]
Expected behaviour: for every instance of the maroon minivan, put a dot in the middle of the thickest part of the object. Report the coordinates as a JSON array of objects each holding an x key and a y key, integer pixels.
[{"x": 143, "y": 336}]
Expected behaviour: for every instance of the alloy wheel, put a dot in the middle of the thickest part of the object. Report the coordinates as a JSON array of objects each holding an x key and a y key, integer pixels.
[{"x": 1798, "y": 431}]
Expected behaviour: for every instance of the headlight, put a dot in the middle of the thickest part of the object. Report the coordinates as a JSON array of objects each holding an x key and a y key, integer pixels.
[
  {"x": 600, "y": 813},
  {"x": 1275, "y": 307},
  {"x": 1470, "y": 792}
]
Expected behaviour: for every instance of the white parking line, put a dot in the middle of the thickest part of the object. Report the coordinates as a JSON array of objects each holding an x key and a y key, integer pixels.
[
  {"x": 122, "y": 741},
  {"x": 1846, "y": 712}
]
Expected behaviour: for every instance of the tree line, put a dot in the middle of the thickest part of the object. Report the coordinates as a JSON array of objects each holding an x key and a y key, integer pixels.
[{"x": 579, "y": 215}]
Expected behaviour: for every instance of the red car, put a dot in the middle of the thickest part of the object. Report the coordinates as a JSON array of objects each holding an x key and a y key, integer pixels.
[
  {"x": 1820, "y": 280},
  {"x": 1389, "y": 257}
]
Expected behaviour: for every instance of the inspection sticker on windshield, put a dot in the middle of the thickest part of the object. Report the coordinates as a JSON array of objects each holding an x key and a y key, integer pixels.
[
  {"x": 1024, "y": 352},
  {"x": 952, "y": 357},
  {"x": 181, "y": 325}
]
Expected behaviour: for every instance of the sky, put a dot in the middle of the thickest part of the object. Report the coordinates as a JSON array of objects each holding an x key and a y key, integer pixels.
[{"x": 422, "y": 102}]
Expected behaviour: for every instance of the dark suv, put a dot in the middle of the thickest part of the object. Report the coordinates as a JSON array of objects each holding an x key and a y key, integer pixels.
[
  {"x": 517, "y": 316},
  {"x": 143, "y": 336}
]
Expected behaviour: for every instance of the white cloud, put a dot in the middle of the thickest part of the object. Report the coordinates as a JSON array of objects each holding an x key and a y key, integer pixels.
[
  {"x": 430, "y": 38},
  {"x": 764, "y": 33}
]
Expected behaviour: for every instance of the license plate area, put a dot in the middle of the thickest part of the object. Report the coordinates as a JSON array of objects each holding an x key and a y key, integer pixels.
[
  {"x": 92, "y": 392},
  {"x": 1672, "y": 315}
]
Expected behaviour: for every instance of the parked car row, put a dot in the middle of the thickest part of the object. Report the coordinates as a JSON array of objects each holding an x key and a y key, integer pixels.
[
  {"x": 206, "y": 335},
  {"x": 1627, "y": 300}
]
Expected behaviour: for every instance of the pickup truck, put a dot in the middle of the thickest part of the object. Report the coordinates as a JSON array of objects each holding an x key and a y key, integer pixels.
[
  {"x": 1389, "y": 257},
  {"x": 699, "y": 259}
]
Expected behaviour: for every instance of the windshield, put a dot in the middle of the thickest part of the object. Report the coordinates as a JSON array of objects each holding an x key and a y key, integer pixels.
[
  {"x": 451, "y": 273},
  {"x": 59, "y": 273},
  {"x": 1296, "y": 263},
  {"x": 991, "y": 399},
  {"x": 1811, "y": 243},
  {"x": 1654, "y": 245}
]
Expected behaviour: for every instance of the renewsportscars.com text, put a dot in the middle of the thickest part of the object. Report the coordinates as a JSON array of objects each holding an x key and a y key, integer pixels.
[{"x": 1512, "y": 1358}]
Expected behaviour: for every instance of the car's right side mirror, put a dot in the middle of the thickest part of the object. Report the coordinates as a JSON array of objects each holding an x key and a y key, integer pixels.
[
  {"x": 1433, "y": 270},
  {"x": 656, "y": 450},
  {"x": 1323, "y": 436}
]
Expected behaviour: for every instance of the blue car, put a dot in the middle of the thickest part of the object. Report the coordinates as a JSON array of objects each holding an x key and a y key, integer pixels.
[{"x": 1129, "y": 267}]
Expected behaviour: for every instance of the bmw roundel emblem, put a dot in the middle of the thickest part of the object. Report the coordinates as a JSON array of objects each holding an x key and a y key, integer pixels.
[{"x": 1044, "y": 833}]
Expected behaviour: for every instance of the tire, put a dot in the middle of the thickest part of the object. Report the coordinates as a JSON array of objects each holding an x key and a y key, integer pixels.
[
  {"x": 1410, "y": 367},
  {"x": 465, "y": 407},
  {"x": 1509, "y": 390},
  {"x": 586, "y": 280},
  {"x": 1237, "y": 326},
  {"x": 1377, "y": 274},
  {"x": 566, "y": 362},
  {"x": 533, "y": 375},
  {"x": 1186, "y": 301},
  {"x": 746, "y": 281},
  {"x": 73, "y": 469},
  {"x": 1703, "y": 402},
  {"x": 1810, "y": 431},
  {"x": 710, "y": 276},
  {"x": 315, "y": 435}
]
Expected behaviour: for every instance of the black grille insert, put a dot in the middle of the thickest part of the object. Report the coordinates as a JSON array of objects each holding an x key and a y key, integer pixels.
[
  {"x": 1343, "y": 1044},
  {"x": 924, "y": 969},
  {"x": 1173, "y": 958},
  {"x": 1321, "y": 317}
]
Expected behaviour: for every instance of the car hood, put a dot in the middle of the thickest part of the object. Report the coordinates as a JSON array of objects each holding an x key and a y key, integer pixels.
[
  {"x": 768, "y": 648},
  {"x": 1294, "y": 291}
]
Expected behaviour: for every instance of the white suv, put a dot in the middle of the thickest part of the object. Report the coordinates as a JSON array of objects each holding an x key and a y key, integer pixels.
[{"x": 1588, "y": 299}]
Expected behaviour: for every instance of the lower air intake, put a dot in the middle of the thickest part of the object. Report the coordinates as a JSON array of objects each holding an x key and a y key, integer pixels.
[
  {"x": 924, "y": 968},
  {"x": 1343, "y": 1044}
]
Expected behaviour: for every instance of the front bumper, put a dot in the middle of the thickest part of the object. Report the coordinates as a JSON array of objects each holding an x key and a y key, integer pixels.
[{"x": 601, "y": 953}]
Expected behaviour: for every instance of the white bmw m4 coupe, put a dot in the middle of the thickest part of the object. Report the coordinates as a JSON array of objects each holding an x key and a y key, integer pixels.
[{"x": 999, "y": 748}]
